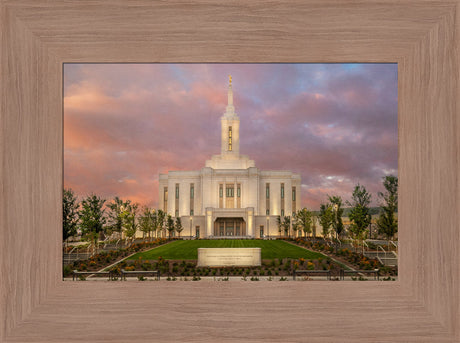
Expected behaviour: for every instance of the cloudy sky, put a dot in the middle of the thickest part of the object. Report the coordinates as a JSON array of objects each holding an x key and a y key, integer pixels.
[{"x": 335, "y": 124}]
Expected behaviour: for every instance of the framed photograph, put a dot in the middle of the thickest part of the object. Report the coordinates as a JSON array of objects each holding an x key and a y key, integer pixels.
[
  {"x": 38, "y": 37},
  {"x": 295, "y": 160}
]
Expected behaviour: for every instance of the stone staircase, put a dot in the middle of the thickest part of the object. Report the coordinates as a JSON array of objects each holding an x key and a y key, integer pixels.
[
  {"x": 388, "y": 258},
  {"x": 69, "y": 258}
]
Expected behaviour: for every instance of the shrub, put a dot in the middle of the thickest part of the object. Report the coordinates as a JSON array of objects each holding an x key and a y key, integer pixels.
[{"x": 66, "y": 271}]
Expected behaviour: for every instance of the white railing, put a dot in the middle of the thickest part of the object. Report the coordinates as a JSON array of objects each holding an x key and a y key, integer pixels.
[
  {"x": 384, "y": 252},
  {"x": 365, "y": 244}
]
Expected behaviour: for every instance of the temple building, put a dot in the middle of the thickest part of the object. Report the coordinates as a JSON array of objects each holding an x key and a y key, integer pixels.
[{"x": 229, "y": 196}]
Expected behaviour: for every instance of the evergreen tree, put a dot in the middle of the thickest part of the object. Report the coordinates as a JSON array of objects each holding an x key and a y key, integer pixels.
[
  {"x": 286, "y": 224},
  {"x": 336, "y": 215},
  {"x": 154, "y": 217},
  {"x": 69, "y": 214},
  {"x": 279, "y": 223},
  {"x": 92, "y": 220},
  {"x": 161, "y": 221},
  {"x": 170, "y": 225},
  {"x": 360, "y": 213},
  {"x": 388, "y": 223}
]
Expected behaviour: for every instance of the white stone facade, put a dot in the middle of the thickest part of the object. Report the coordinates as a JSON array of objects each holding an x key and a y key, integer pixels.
[{"x": 229, "y": 197}]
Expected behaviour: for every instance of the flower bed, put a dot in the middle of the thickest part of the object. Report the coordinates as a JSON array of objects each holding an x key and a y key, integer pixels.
[
  {"x": 104, "y": 258},
  {"x": 358, "y": 260},
  {"x": 188, "y": 268}
]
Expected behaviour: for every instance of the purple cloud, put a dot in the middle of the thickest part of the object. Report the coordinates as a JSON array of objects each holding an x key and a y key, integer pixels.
[{"x": 334, "y": 124}]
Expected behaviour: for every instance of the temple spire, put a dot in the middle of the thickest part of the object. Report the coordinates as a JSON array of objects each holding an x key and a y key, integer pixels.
[
  {"x": 230, "y": 125},
  {"x": 230, "y": 92},
  {"x": 230, "y": 110}
]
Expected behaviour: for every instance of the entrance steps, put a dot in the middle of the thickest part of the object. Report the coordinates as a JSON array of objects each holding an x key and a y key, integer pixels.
[{"x": 229, "y": 237}]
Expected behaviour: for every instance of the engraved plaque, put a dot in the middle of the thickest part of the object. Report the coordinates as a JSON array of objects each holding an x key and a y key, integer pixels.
[{"x": 229, "y": 257}]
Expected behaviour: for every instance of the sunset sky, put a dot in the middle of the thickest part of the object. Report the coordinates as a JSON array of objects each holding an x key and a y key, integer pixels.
[{"x": 335, "y": 124}]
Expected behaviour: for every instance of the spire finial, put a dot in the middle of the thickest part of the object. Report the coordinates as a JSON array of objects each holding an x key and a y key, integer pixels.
[{"x": 230, "y": 95}]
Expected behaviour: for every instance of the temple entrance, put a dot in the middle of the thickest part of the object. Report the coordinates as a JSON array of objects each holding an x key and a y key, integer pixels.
[{"x": 228, "y": 227}]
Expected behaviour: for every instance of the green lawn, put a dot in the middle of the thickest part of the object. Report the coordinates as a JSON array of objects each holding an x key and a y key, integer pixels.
[{"x": 188, "y": 250}]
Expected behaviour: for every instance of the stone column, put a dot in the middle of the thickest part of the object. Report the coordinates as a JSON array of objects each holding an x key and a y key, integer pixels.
[
  {"x": 250, "y": 226},
  {"x": 208, "y": 222}
]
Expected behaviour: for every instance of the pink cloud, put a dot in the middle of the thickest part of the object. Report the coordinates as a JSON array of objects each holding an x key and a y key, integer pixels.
[{"x": 125, "y": 125}]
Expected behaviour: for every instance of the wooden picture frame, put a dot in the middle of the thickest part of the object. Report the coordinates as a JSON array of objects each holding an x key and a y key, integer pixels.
[{"x": 38, "y": 36}]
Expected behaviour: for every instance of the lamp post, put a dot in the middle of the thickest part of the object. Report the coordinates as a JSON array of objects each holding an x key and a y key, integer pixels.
[{"x": 191, "y": 219}]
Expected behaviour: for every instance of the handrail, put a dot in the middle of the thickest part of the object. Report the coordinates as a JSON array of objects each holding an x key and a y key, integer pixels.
[
  {"x": 365, "y": 244},
  {"x": 384, "y": 251},
  {"x": 88, "y": 252},
  {"x": 355, "y": 244},
  {"x": 395, "y": 245}
]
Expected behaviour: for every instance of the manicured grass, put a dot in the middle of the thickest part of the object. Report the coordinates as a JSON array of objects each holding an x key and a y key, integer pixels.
[{"x": 188, "y": 250}]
